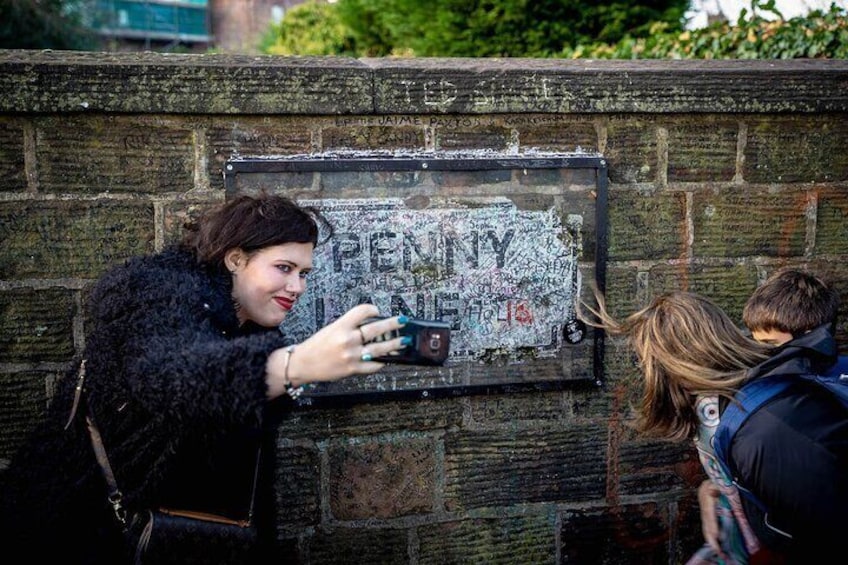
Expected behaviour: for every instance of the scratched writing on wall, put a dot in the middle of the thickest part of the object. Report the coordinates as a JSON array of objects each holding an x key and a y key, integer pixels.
[{"x": 503, "y": 277}]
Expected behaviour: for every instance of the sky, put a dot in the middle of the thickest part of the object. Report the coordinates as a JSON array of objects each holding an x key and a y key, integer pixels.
[{"x": 731, "y": 9}]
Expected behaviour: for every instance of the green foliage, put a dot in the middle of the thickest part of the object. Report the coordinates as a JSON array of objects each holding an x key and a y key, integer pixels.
[
  {"x": 496, "y": 28},
  {"x": 547, "y": 28},
  {"x": 464, "y": 28},
  {"x": 817, "y": 35},
  {"x": 370, "y": 24},
  {"x": 311, "y": 28},
  {"x": 45, "y": 24}
]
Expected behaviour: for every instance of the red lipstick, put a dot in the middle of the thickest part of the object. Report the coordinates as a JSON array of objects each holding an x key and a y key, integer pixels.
[{"x": 285, "y": 303}]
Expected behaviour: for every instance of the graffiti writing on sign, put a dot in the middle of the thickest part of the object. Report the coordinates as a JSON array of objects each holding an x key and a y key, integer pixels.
[{"x": 501, "y": 276}]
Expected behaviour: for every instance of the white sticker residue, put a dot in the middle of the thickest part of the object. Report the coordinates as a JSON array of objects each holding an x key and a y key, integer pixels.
[{"x": 503, "y": 277}]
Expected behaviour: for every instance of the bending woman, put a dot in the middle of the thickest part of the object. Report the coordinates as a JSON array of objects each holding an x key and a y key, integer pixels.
[
  {"x": 792, "y": 453},
  {"x": 185, "y": 367}
]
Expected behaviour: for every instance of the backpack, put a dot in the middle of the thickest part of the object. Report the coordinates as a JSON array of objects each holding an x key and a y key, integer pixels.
[{"x": 755, "y": 394}]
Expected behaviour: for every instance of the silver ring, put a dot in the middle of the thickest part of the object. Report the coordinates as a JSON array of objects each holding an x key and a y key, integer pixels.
[
  {"x": 365, "y": 357},
  {"x": 361, "y": 334}
]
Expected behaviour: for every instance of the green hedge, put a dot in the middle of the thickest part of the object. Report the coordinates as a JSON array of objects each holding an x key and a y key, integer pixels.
[{"x": 822, "y": 35}]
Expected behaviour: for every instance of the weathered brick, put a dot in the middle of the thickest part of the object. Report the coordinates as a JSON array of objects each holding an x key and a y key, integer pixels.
[
  {"x": 177, "y": 214},
  {"x": 498, "y": 467},
  {"x": 555, "y": 133},
  {"x": 643, "y": 226},
  {"x": 179, "y": 83},
  {"x": 36, "y": 325},
  {"x": 12, "y": 164},
  {"x": 526, "y": 539},
  {"x": 501, "y": 85},
  {"x": 341, "y": 546},
  {"x": 738, "y": 222},
  {"x": 622, "y": 295},
  {"x": 646, "y": 466},
  {"x": 518, "y": 407},
  {"x": 832, "y": 222},
  {"x": 23, "y": 401},
  {"x": 702, "y": 149},
  {"x": 297, "y": 486},
  {"x": 113, "y": 155},
  {"x": 66, "y": 238},
  {"x": 382, "y": 480},
  {"x": 632, "y": 150},
  {"x": 728, "y": 285},
  {"x": 373, "y": 137},
  {"x": 253, "y": 137},
  {"x": 624, "y": 381},
  {"x": 372, "y": 418},
  {"x": 637, "y": 533},
  {"x": 789, "y": 149},
  {"x": 483, "y": 137}
]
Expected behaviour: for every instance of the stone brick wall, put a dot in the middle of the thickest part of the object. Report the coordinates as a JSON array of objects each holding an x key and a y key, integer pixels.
[{"x": 720, "y": 172}]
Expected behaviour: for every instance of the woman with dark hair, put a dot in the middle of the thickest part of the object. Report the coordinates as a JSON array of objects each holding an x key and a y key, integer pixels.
[
  {"x": 185, "y": 369},
  {"x": 792, "y": 453}
]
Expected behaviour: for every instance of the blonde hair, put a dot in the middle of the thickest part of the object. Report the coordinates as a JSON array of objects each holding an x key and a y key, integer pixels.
[{"x": 686, "y": 347}]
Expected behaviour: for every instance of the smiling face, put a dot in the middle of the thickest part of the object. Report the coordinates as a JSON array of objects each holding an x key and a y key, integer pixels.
[{"x": 267, "y": 283}]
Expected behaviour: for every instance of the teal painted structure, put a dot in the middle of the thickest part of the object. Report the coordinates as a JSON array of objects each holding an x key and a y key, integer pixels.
[{"x": 162, "y": 20}]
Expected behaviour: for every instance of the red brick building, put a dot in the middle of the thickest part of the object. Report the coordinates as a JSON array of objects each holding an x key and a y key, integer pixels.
[{"x": 238, "y": 25}]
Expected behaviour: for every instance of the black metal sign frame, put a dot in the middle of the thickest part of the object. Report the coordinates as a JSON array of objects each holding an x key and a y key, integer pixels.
[{"x": 305, "y": 177}]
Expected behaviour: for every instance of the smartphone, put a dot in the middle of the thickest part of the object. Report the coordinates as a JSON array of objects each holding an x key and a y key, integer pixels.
[{"x": 430, "y": 342}]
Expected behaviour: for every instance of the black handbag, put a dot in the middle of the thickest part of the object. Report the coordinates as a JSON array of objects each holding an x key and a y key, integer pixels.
[
  {"x": 165, "y": 536},
  {"x": 186, "y": 538}
]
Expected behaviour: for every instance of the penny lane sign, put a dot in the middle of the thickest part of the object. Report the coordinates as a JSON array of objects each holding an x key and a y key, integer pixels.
[{"x": 495, "y": 245}]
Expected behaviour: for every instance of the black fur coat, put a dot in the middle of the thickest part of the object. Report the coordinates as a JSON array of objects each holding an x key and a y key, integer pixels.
[{"x": 178, "y": 392}]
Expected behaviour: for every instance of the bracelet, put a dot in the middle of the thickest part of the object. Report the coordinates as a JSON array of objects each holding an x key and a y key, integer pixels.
[{"x": 293, "y": 392}]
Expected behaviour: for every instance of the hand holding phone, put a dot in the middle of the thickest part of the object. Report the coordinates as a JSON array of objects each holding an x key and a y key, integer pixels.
[{"x": 430, "y": 342}]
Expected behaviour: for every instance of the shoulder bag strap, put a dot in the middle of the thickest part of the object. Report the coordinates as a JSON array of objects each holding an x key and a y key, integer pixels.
[{"x": 114, "y": 495}]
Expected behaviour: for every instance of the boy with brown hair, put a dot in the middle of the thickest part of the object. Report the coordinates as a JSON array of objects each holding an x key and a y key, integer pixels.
[{"x": 790, "y": 303}]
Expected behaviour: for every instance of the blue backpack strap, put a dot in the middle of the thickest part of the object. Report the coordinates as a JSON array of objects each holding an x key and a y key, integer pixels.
[{"x": 747, "y": 401}]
